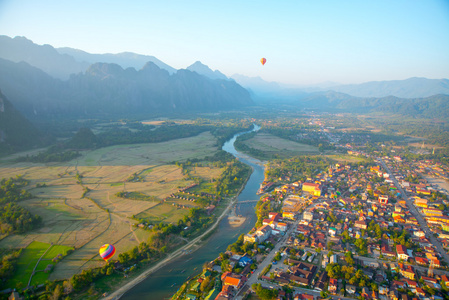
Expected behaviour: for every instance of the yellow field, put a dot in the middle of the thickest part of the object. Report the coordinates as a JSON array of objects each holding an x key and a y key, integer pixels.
[{"x": 101, "y": 217}]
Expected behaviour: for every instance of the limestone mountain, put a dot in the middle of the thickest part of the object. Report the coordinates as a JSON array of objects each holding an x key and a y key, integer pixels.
[
  {"x": 16, "y": 132},
  {"x": 44, "y": 57},
  {"x": 124, "y": 59},
  {"x": 108, "y": 89},
  {"x": 206, "y": 71}
]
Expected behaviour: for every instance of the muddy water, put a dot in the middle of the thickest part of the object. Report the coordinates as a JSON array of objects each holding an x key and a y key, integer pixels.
[{"x": 166, "y": 281}]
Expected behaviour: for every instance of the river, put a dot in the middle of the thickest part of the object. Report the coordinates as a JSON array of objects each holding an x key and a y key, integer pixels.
[{"x": 165, "y": 282}]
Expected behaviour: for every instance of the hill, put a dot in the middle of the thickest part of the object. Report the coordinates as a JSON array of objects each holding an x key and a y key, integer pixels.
[
  {"x": 409, "y": 88},
  {"x": 108, "y": 89},
  {"x": 436, "y": 106},
  {"x": 62, "y": 62},
  {"x": 44, "y": 57},
  {"x": 206, "y": 71},
  {"x": 124, "y": 59},
  {"x": 16, "y": 132}
]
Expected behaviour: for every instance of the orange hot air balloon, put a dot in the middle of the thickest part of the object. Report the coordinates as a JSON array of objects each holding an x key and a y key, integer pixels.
[{"x": 263, "y": 60}]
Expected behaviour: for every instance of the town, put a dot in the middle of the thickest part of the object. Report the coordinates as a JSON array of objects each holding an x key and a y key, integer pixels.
[{"x": 373, "y": 230}]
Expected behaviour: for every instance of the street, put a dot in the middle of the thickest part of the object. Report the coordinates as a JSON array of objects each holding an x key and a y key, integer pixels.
[{"x": 417, "y": 215}]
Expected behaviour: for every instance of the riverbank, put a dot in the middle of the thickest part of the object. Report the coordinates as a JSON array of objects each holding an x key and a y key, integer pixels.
[{"x": 190, "y": 246}]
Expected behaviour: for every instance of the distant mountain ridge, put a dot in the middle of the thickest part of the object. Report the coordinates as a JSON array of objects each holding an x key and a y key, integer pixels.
[
  {"x": 108, "y": 89},
  {"x": 124, "y": 59},
  {"x": 62, "y": 62},
  {"x": 44, "y": 57},
  {"x": 409, "y": 88},
  {"x": 433, "y": 107},
  {"x": 206, "y": 71}
]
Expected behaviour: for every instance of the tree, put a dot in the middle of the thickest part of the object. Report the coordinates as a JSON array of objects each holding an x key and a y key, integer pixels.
[
  {"x": 204, "y": 284},
  {"x": 225, "y": 266},
  {"x": 57, "y": 293},
  {"x": 67, "y": 286}
]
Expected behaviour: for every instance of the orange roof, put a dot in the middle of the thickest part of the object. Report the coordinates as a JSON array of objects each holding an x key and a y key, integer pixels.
[{"x": 231, "y": 281}]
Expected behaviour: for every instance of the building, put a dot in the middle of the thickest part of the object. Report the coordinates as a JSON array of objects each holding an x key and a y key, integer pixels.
[
  {"x": 401, "y": 252},
  {"x": 430, "y": 212},
  {"x": 308, "y": 215},
  {"x": 312, "y": 188},
  {"x": 263, "y": 233},
  {"x": 231, "y": 279},
  {"x": 420, "y": 202},
  {"x": 250, "y": 238},
  {"x": 383, "y": 199},
  {"x": 333, "y": 286},
  {"x": 289, "y": 215}
]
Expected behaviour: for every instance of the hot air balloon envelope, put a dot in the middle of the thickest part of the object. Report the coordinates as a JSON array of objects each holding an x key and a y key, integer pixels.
[
  {"x": 107, "y": 251},
  {"x": 263, "y": 60}
]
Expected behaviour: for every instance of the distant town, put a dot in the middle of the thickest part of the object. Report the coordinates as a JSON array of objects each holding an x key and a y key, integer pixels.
[{"x": 377, "y": 230}]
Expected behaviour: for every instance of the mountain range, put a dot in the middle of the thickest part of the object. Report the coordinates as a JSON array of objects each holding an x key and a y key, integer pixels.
[
  {"x": 43, "y": 82},
  {"x": 108, "y": 89}
]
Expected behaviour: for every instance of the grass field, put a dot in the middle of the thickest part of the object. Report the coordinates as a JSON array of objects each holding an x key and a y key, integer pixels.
[
  {"x": 100, "y": 217},
  {"x": 26, "y": 263},
  {"x": 282, "y": 148},
  {"x": 347, "y": 158}
]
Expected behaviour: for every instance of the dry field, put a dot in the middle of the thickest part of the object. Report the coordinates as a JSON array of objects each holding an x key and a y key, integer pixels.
[
  {"x": 101, "y": 217},
  {"x": 347, "y": 158},
  {"x": 275, "y": 145}
]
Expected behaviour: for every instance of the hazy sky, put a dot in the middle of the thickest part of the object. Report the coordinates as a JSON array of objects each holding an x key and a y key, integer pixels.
[{"x": 304, "y": 42}]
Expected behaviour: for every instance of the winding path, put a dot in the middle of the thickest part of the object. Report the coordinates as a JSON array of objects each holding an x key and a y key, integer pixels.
[
  {"x": 117, "y": 294},
  {"x": 34, "y": 270}
]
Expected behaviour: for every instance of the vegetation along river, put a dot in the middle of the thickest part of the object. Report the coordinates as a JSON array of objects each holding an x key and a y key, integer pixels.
[{"x": 165, "y": 282}]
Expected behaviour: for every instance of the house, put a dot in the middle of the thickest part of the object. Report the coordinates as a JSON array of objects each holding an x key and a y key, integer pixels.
[
  {"x": 386, "y": 251},
  {"x": 383, "y": 290},
  {"x": 411, "y": 283},
  {"x": 275, "y": 216},
  {"x": 445, "y": 280},
  {"x": 289, "y": 215},
  {"x": 394, "y": 295},
  {"x": 333, "y": 286},
  {"x": 360, "y": 224},
  {"x": 402, "y": 252},
  {"x": 234, "y": 280},
  {"x": 420, "y": 292},
  {"x": 407, "y": 271},
  {"x": 350, "y": 289},
  {"x": 251, "y": 238},
  {"x": 383, "y": 199},
  {"x": 422, "y": 261},
  {"x": 308, "y": 215},
  {"x": 263, "y": 233},
  {"x": 245, "y": 260}
]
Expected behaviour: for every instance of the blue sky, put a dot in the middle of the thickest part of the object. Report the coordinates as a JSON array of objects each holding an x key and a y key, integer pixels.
[{"x": 304, "y": 42}]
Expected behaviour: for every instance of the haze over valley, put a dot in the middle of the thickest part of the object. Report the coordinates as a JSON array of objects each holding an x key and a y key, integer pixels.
[{"x": 225, "y": 150}]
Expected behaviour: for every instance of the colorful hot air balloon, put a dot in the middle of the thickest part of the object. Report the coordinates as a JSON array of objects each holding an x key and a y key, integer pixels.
[
  {"x": 263, "y": 60},
  {"x": 107, "y": 252}
]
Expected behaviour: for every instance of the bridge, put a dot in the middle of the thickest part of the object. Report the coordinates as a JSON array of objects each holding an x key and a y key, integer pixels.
[{"x": 247, "y": 201}]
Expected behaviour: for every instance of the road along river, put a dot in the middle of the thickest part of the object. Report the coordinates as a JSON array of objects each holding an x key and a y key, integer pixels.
[{"x": 163, "y": 283}]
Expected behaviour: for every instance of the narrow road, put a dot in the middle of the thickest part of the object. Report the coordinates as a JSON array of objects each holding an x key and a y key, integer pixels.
[
  {"x": 118, "y": 293},
  {"x": 267, "y": 260},
  {"x": 34, "y": 270},
  {"x": 417, "y": 215}
]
